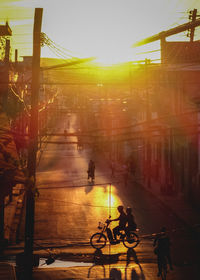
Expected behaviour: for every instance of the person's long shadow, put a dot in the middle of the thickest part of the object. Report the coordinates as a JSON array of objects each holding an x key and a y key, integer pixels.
[
  {"x": 96, "y": 265},
  {"x": 131, "y": 253},
  {"x": 115, "y": 274},
  {"x": 101, "y": 259},
  {"x": 89, "y": 187}
]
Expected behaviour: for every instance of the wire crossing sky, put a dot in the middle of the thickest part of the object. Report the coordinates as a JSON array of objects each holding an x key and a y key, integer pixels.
[{"x": 105, "y": 29}]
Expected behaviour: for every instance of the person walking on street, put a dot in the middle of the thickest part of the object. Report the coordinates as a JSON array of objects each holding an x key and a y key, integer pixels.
[
  {"x": 91, "y": 170},
  {"x": 162, "y": 249}
]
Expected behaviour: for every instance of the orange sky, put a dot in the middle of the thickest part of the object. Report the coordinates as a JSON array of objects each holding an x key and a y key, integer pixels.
[{"x": 102, "y": 28}]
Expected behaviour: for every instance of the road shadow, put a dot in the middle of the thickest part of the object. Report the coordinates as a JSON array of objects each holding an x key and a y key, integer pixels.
[
  {"x": 89, "y": 187},
  {"x": 93, "y": 267},
  {"x": 115, "y": 273},
  {"x": 100, "y": 258},
  {"x": 131, "y": 254}
]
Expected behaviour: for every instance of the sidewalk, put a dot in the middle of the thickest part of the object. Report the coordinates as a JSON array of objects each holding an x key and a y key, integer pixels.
[{"x": 178, "y": 205}]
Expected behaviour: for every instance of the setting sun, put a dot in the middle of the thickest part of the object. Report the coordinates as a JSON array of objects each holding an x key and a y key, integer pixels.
[
  {"x": 102, "y": 29},
  {"x": 99, "y": 139}
]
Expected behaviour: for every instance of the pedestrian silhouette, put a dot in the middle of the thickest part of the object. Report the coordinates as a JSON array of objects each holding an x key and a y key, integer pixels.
[
  {"x": 91, "y": 170},
  {"x": 162, "y": 249}
]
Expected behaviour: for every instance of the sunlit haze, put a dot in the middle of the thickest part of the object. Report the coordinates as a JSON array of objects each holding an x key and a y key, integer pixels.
[{"x": 104, "y": 29}]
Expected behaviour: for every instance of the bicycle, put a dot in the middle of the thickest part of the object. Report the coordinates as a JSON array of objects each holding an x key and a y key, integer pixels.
[{"x": 99, "y": 239}]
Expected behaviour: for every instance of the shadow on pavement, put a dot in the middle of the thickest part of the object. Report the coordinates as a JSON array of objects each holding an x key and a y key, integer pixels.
[
  {"x": 89, "y": 187},
  {"x": 100, "y": 260},
  {"x": 131, "y": 253}
]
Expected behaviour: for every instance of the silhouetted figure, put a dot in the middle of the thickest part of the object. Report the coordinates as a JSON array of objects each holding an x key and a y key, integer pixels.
[
  {"x": 131, "y": 224},
  {"x": 79, "y": 145},
  {"x": 122, "y": 221},
  {"x": 162, "y": 249},
  {"x": 91, "y": 170}
]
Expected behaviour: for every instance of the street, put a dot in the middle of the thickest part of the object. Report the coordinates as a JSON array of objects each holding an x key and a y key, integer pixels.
[
  {"x": 68, "y": 210},
  {"x": 99, "y": 140}
]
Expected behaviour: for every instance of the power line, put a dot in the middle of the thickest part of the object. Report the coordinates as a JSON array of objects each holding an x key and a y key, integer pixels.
[{"x": 45, "y": 40}]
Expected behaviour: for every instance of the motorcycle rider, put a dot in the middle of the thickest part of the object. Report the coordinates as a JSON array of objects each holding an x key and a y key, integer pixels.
[{"x": 122, "y": 221}]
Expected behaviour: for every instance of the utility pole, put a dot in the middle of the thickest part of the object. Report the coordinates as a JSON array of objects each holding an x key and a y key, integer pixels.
[
  {"x": 4, "y": 99},
  {"x": 192, "y": 16},
  {"x": 148, "y": 119},
  {"x": 33, "y": 145},
  {"x": 16, "y": 56},
  {"x": 167, "y": 33},
  {"x": 6, "y": 63}
]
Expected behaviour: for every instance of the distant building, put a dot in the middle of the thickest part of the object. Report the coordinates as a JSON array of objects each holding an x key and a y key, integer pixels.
[{"x": 180, "y": 52}]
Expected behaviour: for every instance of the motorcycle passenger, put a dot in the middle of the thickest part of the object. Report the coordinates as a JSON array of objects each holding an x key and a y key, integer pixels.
[
  {"x": 122, "y": 221},
  {"x": 131, "y": 224}
]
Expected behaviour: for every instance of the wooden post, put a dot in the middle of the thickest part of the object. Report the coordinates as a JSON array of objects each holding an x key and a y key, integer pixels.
[
  {"x": 194, "y": 15},
  {"x": 33, "y": 144},
  {"x": 148, "y": 120},
  {"x": 1, "y": 219},
  {"x": 4, "y": 100},
  {"x": 6, "y": 62}
]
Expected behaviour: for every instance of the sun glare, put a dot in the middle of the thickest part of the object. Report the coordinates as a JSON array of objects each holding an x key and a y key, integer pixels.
[
  {"x": 102, "y": 29},
  {"x": 112, "y": 200}
]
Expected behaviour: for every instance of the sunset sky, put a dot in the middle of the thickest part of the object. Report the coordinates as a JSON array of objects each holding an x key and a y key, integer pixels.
[{"x": 105, "y": 29}]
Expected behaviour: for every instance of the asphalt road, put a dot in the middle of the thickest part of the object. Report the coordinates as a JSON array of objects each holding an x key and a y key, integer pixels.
[{"x": 69, "y": 208}]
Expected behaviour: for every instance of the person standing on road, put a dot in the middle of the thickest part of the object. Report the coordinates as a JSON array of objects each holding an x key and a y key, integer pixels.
[
  {"x": 91, "y": 170},
  {"x": 162, "y": 249}
]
